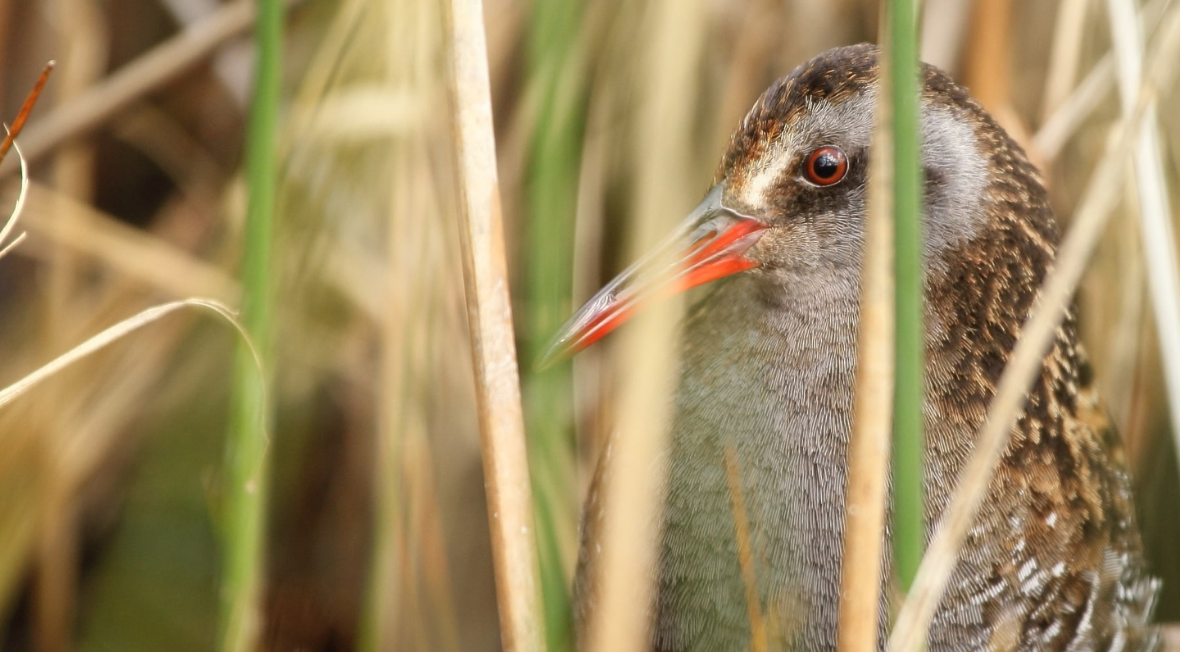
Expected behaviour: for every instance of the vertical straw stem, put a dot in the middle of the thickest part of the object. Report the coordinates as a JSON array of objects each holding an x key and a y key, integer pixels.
[
  {"x": 869, "y": 445},
  {"x": 635, "y": 469},
  {"x": 908, "y": 532},
  {"x": 489, "y": 314},
  {"x": 246, "y": 458},
  {"x": 1065, "y": 55},
  {"x": 410, "y": 47}
]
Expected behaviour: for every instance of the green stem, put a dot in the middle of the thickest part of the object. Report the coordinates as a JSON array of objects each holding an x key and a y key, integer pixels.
[
  {"x": 909, "y": 529},
  {"x": 246, "y": 459},
  {"x": 556, "y": 70}
]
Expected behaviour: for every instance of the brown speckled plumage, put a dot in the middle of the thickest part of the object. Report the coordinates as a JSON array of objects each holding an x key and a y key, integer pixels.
[{"x": 1053, "y": 562}]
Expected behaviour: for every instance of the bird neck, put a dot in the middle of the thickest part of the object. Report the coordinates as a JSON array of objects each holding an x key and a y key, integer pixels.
[{"x": 764, "y": 404}]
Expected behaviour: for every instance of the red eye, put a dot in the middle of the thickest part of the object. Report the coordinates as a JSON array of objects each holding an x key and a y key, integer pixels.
[{"x": 826, "y": 166}]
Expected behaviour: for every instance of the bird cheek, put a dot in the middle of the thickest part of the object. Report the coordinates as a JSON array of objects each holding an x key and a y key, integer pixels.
[{"x": 780, "y": 248}]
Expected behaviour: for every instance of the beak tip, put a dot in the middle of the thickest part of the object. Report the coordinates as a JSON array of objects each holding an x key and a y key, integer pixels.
[
  {"x": 555, "y": 352},
  {"x": 716, "y": 239},
  {"x": 543, "y": 363}
]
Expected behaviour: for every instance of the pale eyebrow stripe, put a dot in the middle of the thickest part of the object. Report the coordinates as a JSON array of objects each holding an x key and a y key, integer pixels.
[{"x": 770, "y": 168}]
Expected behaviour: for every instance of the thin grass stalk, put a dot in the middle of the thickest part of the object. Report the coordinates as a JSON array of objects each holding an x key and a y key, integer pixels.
[
  {"x": 120, "y": 330},
  {"x": 147, "y": 73},
  {"x": 323, "y": 68},
  {"x": 759, "y": 632},
  {"x": 1063, "y": 123},
  {"x": 1073, "y": 111},
  {"x": 6, "y": 11},
  {"x": 589, "y": 242},
  {"x": 489, "y": 311},
  {"x": 127, "y": 250},
  {"x": 83, "y": 37},
  {"x": 674, "y": 36},
  {"x": 909, "y": 632},
  {"x": 1066, "y": 55},
  {"x": 908, "y": 442},
  {"x": 988, "y": 69},
  {"x": 438, "y": 327},
  {"x": 26, "y": 108},
  {"x": 1124, "y": 357},
  {"x": 557, "y": 72},
  {"x": 55, "y": 534},
  {"x": 247, "y": 461},
  {"x": 1155, "y": 218},
  {"x": 944, "y": 30},
  {"x": 408, "y": 50},
  {"x": 437, "y": 574},
  {"x": 869, "y": 445}
]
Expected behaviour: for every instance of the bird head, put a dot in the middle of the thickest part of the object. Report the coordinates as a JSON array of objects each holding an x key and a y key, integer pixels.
[{"x": 788, "y": 202}]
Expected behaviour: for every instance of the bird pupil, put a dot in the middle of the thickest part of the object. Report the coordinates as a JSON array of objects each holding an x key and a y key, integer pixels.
[{"x": 825, "y": 166}]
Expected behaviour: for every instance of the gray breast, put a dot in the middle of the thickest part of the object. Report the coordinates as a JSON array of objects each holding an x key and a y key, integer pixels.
[{"x": 770, "y": 385}]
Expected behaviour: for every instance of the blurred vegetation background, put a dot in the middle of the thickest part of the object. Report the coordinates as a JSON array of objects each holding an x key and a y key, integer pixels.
[{"x": 111, "y": 473}]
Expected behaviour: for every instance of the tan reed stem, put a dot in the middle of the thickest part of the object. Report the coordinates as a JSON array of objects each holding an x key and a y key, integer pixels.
[
  {"x": 759, "y": 639},
  {"x": 633, "y": 483},
  {"x": 869, "y": 446},
  {"x": 489, "y": 314}
]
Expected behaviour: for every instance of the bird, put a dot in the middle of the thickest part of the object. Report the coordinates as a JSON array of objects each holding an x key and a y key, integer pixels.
[{"x": 767, "y": 374}]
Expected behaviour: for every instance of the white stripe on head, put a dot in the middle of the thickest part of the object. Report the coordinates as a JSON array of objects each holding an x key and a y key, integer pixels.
[
  {"x": 847, "y": 124},
  {"x": 949, "y": 145}
]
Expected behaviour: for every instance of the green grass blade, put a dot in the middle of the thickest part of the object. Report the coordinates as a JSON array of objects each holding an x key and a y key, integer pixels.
[
  {"x": 246, "y": 460},
  {"x": 908, "y": 533},
  {"x": 557, "y": 73}
]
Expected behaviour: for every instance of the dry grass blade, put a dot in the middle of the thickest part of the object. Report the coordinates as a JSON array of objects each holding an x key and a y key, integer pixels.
[
  {"x": 17, "y": 208},
  {"x": 1065, "y": 55},
  {"x": 870, "y": 443},
  {"x": 944, "y": 23},
  {"x": 989, "y": 68},
  {"x": 1072, "y": 112},
  {"x": 117, "y": 332},
  {"x": 741, "y": 526},
  {"x": 1171, "y": 637},
  {"x": 624, "y": 579},
  {"x": 160, "y": 65},
  {"x": 489, "y": 310},
  {"x": 909, "y": 633},
  {"x": 12, "y": 245},
  {"x": 141, "y": 256},
  {"x": 404, "y": 501},
  {"x": 1159, "y": 240},
  {"x": 25, "y": 110}
]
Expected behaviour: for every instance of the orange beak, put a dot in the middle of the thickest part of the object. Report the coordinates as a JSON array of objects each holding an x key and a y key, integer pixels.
[{"x": 709, "y": 244}]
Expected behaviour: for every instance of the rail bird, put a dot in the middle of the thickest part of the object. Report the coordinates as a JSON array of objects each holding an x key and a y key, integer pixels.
[{"x": 768, "y": 368}]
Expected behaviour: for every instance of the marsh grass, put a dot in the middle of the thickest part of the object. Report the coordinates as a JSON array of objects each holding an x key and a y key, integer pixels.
[
  {"x": 247, "y": 455},
  {"x": 609, "y": 118},
  {"x": 909, "y": 444}
]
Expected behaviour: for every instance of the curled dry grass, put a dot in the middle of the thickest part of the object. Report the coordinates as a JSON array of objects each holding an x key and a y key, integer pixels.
[{"x": 113, "y": 333}]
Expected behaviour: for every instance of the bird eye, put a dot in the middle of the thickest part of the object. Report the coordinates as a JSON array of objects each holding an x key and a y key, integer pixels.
[{"x": 826, "y": 166}]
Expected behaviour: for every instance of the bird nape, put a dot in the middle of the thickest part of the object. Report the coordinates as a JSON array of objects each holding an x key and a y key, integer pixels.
[{"x": 767, "y": 376}]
